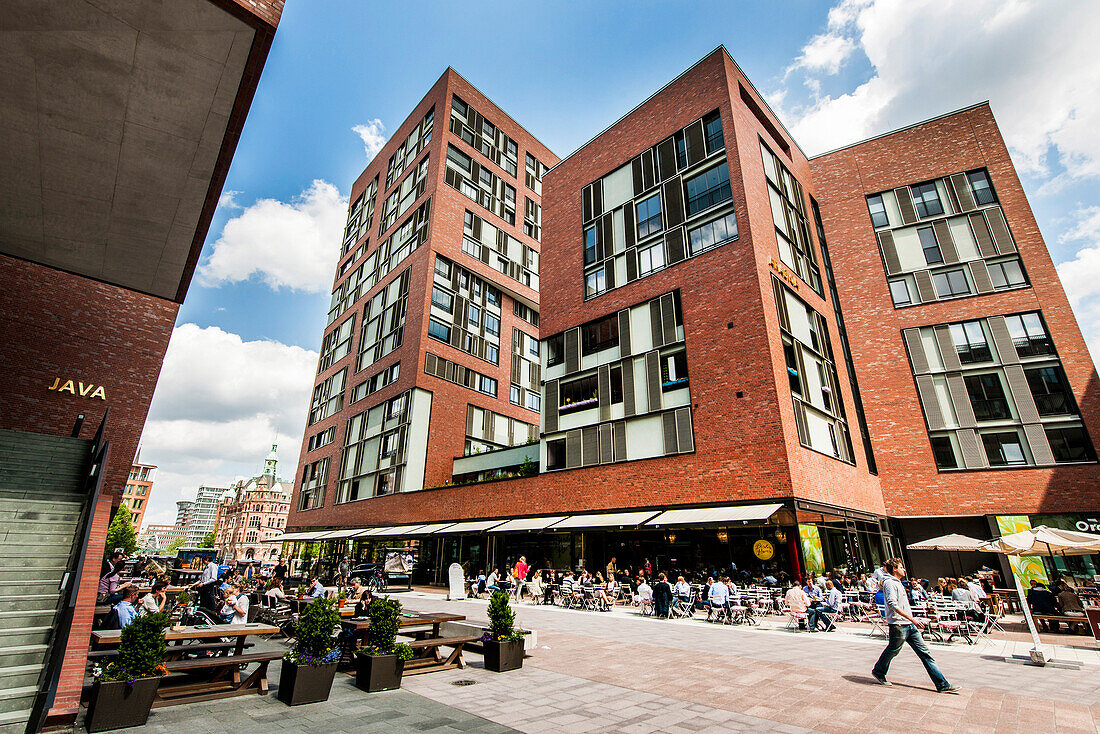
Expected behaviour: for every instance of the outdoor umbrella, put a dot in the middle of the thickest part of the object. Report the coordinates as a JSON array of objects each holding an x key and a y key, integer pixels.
[
  {"x": 1041, "y": 541},
  {"x": 952, "y": 542}
]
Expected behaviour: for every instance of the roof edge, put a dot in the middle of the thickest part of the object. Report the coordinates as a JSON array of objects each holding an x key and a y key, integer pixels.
[{"x": 910, "y": 126}]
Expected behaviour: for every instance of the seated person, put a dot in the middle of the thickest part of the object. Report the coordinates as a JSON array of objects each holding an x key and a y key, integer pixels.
[
  {"x": 718, "y": 597},
  {"x": 662, "y": 595},
  {"x": 683, "y": 589},
  {"x": 1068, "y": 601},
  {"x": 275, "y": 590},
  {"x": 826, "y": 610},
  {"x": 154, "y": 601},
  {"x": 125, "y": 609},
  {"x": 235, "y": 610},
  {"x": 967, "y": 602},
  {"x": 797, "y": 602},
  {"x": 316, "y": 590},
  {"x": 1041, "y": 601},
  {"x": 493, "y": 582},
  {"x": 644, "y": 593}
]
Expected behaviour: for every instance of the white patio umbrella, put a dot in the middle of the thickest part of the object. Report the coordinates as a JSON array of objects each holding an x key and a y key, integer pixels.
[
  {"x": 952, "y": 542},
  {"x": 1041, "y": 541}
]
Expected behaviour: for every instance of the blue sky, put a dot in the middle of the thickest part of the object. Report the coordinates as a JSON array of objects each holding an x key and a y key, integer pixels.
[{"x": 239, "y": 369}]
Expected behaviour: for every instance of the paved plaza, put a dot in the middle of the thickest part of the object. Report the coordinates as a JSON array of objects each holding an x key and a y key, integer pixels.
[{"x": 619, "y": 672}]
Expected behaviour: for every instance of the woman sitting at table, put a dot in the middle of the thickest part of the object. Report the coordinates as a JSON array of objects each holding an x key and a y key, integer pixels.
[
  {"x": 154, "y": 601},
  {"x": 235, "y": 610},
  {"x": 276, "y": 589}
]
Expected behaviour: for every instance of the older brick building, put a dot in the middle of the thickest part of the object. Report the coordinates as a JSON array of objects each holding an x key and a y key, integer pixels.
[
  {"x": 251, "y": 513},
  {"x": 722, "y": 362}
]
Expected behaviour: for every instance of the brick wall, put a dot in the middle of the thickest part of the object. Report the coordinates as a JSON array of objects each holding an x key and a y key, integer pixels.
[{"x": 911, "y": 484}]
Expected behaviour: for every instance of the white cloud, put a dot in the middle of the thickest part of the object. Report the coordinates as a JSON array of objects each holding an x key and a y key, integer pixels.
[
  {"x": 1034, "y": 61},
  {"x": 373, "y": 135},
  {"x": 1081, "y": 275},
  {"x": 288, "y": 244},
  {"x": 220, "y": 403},
  {"x": 228, "y": 199}
]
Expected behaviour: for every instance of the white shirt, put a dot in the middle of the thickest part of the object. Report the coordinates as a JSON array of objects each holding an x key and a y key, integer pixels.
[
  {"x": 149, "y": 605},
  {"x": 979, "y": 592},
  {"x": 492, "y": 580},
  {"x": 834, "y": 598},
  {"x": 683, "y": 588},
  {"x": 719, "y": 594},
  {"x": 645, "y": 592},
  {"x": 240, "y": 613},
  {"x": 276, "y": 592},
  {"x": 210, "y": 573}
]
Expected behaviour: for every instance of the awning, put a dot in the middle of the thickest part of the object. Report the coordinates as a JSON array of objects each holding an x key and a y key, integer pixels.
[
  {"x": 604, "y": 520},
  {"x": 710, "y": 515},
  {"x": 399, "y": 530},
  {"x": 372, "y": 531},
  {"x": 291, "y": 537},
  {"x": 340, "y": 534},
  {"x": 473, "y": 526},
  {"x": 528, "y": 523},
  {"x": 427, "y": 529}
]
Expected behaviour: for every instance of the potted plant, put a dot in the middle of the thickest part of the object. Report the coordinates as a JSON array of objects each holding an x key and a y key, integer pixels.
[
  {"x": 504, "y": 643},
  {"x": 301, "y": 591},
  {"x": 380, "y": 666},
  {"x": 123, "y": 691},
  {"x": 309, "y": 668}
]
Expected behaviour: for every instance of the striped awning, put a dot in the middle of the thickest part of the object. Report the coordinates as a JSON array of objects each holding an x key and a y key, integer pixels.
[
  {"x": 473, "y": 526},
  {"x": 527, "y": 523},
  {"x": 711, "y": 515},
  {"x": 604, "y": 520}
]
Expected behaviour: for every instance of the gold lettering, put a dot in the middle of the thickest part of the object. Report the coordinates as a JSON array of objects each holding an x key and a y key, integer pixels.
[
  {"x": 68, "y": 387},
  {"x": 99, "y": 393},
  {"x": 85, "y": 390},
  {"x": 56, "y": 382}
]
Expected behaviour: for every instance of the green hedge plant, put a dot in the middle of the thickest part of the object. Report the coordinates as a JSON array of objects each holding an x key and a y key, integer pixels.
[
  {"x": 385, "y": 621},
  {"x": 502, "y": 619},
  {"x": 140, "y": 651},
  {"x": 313, "y": 636}
]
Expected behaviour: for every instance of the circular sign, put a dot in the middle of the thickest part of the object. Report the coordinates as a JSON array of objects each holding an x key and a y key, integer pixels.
[{"x": 763, "y": 550}]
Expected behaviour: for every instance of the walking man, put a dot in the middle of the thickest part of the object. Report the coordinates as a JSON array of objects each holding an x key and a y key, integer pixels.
[{"x": 904, "y": 628}]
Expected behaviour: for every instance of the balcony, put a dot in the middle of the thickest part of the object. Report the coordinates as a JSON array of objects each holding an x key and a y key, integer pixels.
[{"x": 498, "y": 462}]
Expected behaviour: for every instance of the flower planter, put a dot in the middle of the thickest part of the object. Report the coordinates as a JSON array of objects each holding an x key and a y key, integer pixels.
[
  {"x": 378, "y": 672},
  {"x": 300, "y": 684},
  {"x": 502, "y": 656},
  {"x": 119, "y": 704}
]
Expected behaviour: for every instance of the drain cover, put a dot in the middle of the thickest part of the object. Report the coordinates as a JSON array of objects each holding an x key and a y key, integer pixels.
[{"x": 463, "y": 682}]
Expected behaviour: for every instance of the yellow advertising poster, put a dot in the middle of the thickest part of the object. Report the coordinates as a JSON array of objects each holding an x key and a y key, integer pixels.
[
  {"x": 811, "y": 548},
  {"x": 1026, "y": 568}
]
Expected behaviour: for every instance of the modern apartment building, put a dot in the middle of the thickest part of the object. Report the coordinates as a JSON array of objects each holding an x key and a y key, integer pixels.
[
  {"x": 431, "y": 347},
  {"x": 204, "y": 513},
  {"x": 751, "y": 357},
  {"x": 136, "y": 493}
]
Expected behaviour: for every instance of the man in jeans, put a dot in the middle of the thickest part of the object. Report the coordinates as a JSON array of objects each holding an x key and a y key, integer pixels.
[{"x": 904, "y": 627}]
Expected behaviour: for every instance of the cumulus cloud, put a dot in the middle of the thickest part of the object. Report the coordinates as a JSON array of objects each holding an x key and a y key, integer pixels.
[
  {"x": 220, "y": 403},
  {"x": 1034, "y": 61},
  {"x": 373, "y": 135},
  {"x": 287, "y": 244},
  {"x": 228, "y": 199},
  {"x": 1081, "y": 275}
]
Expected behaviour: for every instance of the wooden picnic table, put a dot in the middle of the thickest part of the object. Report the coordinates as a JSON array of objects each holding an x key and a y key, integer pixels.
[
  {"x": 426, "y": 656},
  {"x": 241, "y": 632}
]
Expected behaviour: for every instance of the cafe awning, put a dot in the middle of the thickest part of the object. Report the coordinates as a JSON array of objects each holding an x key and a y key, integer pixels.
[
  {"x": 340, "y": 534},
  {"x": 372, "y": 531},
  {"x": 428, "y": 529},
  {"x": 473, "y": 526},
  {"x": 710, "y": 515},
  {"x": 604, "y": 520},
  {"x": 527, "y": 523},
  {"x": 304, "y": 535},
  {"x": 398, "y": 530}
]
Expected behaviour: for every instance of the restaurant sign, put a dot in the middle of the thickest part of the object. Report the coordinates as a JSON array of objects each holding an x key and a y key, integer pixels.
[
  {"x": 763, "y": 550},
  {"x": 784, "y": 273},
  {"x": 1088, "y": 525},
  {"x": 82, "y": 389}
]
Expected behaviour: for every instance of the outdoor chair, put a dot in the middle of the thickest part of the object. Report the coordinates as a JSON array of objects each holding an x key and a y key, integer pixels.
[
  {"x": 682, "y": 608},
  {"x": 794, "y": 619}
]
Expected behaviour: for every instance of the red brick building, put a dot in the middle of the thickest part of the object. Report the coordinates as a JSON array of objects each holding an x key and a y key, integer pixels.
[
  {"x": 117, "y": 143},
  {"x": 722, "y": 362}
]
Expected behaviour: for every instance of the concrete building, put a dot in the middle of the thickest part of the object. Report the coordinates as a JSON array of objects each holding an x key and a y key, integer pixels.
[
  {"x": 252, "y": 513},
  {"x": 138, "y": 490},
  {"x": 183, "y": 513},
  {"x": 119, "y": 124},
  {"x": 753, "y": 357},
  {"x": 203, "y": 514},
  {"x": 157, "y": 538}
]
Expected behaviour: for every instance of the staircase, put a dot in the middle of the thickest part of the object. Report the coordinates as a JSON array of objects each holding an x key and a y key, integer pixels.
[{"x": 42, "y": 498}]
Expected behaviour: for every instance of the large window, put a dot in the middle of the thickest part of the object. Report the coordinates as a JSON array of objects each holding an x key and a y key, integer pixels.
[
  {"x": 442, "y": 299},
  {"x": 600, "y": 335},
  {"x": 932, "y": 254},
  {"x": 970, "y": 342},
  {"x": 591, "y": 239},
  {"x": 987, "y": 397},
  {"x": 579, "y": 394},
  {"x": 708, "y": 189},
  {"x": 878, "y": 211},
  {"x": 555, "y": 454},
  {"x": 899, "y": 292},
  {"x": 982, "y": 188},
  {"x": 439, "y": 330},
  {"x": 712, "y": 126},
  {"x": 1051, "y": 391},
  {"x": 926, "y": 199},
  {"x": 1004, "y": 449},
  {"x": 595, "y": 283},
  {"x": 944, "y": 453},
  {"x": 712, "y": 234},
  {"x": 1070, "y": 444},
  {"x": 1028, "y": 335},
  {"x": 649, "y": 216},
  {"x": 674, "y": 371},
  {"x": 1007, "y": 274},
  {"x": 651, "y": 258},
  {"x": 951, "y": 283}
]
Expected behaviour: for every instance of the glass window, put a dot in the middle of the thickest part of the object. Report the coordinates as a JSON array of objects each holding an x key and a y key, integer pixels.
[
  {"x": 712, "y": 126},
  {"x": 439, "y": 330},
  {"x": 951, "y": 283},
  {"x": 1070, "y": 444},
  {"x": 595, "y": 283},
  {"x": 982, "y": 188},
  {"x": 473, "y": 315},
  {"x": 651, "y": 258},
  {"x": 1028, "y": 335},
  {"x": 487, "y": 385},
  {"x": 555, "y": 454},
  {"x": 516, "y": 395},
  {"x": 579, "y": 394},
  {"x": 708, "y": 189},
  {"x": 492, "y": 354},
  {"x": 534, "y": 400},
  {"x": 616, "y": 385},
  {"x": 932, "y": 254},
  {"x": 492, "y": 295},
  {"x": 1007, "y": 274},
  {"x": 1003, "y": 449},
  {"x": 681, "y": 152},
  {"x": 599, "y": 335},
  {"x": 555, "y": 350},
  {"x": 878, "y": 211},
  {"x": 899, "y": 291},
  {"x": 987, "y": 397},
  {"x": 590, "y": 239},
  {"x": 926, "y": 199},
  {"x": 1051, "y": 391},
  {"x": 944, "y": 453},
  {"x": 970, "y": 342},
  {"x": 674, "y": 371},
  {"x": 712, "y": 234},
  {"x": 492, "y": 324},
  {"x": 792, "y": 369},
  {"x": 649, "y": 216},
  {"x": 442, "y": 268},
  {"x": 442, "y": 299}
]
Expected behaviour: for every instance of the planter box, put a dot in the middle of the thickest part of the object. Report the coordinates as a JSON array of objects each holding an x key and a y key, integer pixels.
[
  {"x": 502, "y": 656},
  {"x": 462, "y": 629},
  {"x": 118, "y": 704},
  {"x": 300, "y": 684},
  {"x": 378, "y": 672}
]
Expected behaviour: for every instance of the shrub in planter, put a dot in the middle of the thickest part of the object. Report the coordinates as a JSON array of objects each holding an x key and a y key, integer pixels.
[
  {"x": 504, "y": 643},
  {"x": 309, "y": 668},
  {"x": 123, "y": 691},
  {"x": 380, "y": 666}
]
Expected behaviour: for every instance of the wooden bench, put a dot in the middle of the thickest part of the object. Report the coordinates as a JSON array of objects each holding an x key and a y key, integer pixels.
[
  {"x": 427, "y": 658},
  {"x": 227, "y": 679},
  {"x": 173, "y": 651},
  {"x": 1053, "y": 619}
]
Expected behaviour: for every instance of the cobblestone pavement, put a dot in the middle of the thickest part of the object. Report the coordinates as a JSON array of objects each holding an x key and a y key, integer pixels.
[{"x": 618, "y": 672}]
